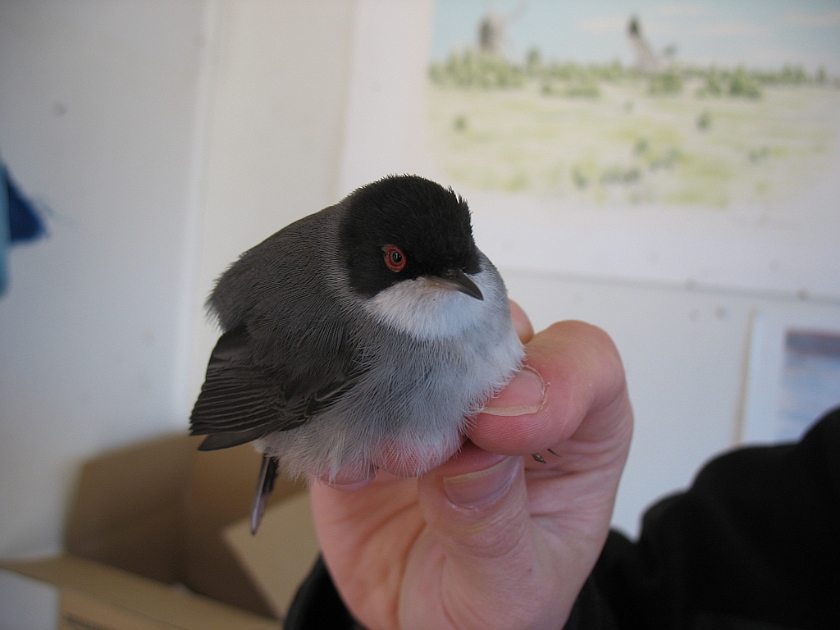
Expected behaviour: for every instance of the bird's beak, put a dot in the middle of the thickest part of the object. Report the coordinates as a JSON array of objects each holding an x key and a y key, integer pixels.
[{"x": 459, "y": 281}]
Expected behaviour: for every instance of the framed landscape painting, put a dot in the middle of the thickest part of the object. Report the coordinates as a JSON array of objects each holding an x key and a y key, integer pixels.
[{"x": 688, "y": 144}]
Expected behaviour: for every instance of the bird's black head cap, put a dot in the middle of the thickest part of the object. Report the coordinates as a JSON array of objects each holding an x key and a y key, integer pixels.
[{"x": 403, "y": 227}]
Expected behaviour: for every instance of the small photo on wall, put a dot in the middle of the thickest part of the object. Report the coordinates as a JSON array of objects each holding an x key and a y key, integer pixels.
[{"x": 794, "y": 376}]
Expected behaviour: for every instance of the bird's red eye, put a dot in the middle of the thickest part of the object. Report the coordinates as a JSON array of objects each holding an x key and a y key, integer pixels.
[{"x": 394, "y": 258}]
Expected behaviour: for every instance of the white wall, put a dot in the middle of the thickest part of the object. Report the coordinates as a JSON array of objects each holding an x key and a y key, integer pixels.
[
  {"x": 169, "y": 137},
  {"x": 166, "y": 138},
  {"x": 97, "y": 103}
]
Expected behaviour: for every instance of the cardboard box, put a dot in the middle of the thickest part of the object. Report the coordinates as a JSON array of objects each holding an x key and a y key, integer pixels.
[
  {"x": 146, "y": 544},
  {"x": 291, "y": 531}
]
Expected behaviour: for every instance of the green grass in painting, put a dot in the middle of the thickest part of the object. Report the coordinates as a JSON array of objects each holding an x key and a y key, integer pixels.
[{"x": 690, "y": 136}]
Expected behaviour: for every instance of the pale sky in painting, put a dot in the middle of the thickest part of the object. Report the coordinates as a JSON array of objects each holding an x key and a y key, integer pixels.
[{"x": 758, "y": 34}]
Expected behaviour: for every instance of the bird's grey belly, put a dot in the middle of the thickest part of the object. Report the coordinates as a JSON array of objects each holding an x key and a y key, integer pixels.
[{"x": 410, "y": 410}]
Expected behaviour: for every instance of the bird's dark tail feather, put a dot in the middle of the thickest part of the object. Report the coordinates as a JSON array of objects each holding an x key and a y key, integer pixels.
[{"x": 265, "y": 485}]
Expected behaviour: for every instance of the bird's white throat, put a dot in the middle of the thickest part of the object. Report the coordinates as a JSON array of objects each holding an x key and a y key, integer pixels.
[{"x": 426, "y": 310}]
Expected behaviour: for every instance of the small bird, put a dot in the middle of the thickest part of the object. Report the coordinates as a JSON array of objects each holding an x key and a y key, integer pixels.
[{"x": 362, "y": 337}]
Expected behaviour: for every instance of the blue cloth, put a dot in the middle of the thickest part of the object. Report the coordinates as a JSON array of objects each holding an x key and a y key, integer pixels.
[
  {"x": 4, "y": 228},
  {"x": 24, "y": 222},
  {"x": 19, "y": 222}
]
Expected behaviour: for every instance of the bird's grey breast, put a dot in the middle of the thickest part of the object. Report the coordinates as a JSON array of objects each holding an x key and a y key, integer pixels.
[{"x": 436, "y": 371}]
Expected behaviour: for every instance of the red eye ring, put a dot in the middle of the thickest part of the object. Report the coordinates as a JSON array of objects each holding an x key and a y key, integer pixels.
[{"x": 394, "y": 258}]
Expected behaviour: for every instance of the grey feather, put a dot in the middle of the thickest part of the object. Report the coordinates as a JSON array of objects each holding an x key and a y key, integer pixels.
[{"x": 333, "y": 370}]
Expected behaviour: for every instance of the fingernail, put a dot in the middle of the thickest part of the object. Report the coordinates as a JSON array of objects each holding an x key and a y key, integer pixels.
[
  {"x": 479, "y": 488},
  {"x": 523, "y": 395}
]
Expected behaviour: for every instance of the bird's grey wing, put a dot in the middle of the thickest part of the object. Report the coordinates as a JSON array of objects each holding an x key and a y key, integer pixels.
[{"x": 244, "y": 398}]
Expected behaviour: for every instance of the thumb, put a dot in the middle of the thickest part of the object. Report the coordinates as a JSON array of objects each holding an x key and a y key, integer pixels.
[{"x": 494, "y": 568}]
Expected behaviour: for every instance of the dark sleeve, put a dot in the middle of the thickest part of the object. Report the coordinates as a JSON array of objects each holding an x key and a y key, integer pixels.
[
  {"x": 753, "y": 544},
  {"x": 317, "y": 604}
]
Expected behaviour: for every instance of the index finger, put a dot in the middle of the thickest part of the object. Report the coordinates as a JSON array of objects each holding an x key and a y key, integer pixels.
[{"x": 582, "y": 378}]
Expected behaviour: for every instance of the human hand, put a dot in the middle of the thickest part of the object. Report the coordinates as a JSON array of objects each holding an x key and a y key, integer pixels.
[{"x": 492, "y": 538}]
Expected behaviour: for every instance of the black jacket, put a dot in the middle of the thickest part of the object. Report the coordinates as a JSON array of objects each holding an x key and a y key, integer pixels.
[{"x": 754, "y": 544}]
